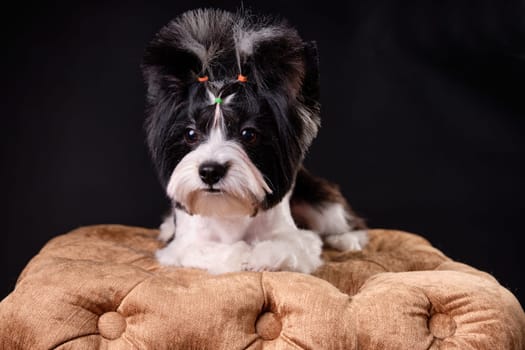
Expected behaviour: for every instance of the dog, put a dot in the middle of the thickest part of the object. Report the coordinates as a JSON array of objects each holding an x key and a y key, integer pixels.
[{"x": 232, "y": 108}]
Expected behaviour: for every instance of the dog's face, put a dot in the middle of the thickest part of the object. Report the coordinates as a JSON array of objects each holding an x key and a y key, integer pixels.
[{"x": 226, "y": 144}]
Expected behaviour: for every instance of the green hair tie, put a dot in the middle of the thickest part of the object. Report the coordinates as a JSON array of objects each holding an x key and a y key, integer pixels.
[{"x": 218, "y": 100}]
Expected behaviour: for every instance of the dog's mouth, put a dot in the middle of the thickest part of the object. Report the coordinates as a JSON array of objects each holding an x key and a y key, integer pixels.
[{"x": 212, "y": 190}]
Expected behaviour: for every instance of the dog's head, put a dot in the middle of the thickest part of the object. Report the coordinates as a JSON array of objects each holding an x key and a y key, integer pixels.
[{"x": 232, "y": 108}]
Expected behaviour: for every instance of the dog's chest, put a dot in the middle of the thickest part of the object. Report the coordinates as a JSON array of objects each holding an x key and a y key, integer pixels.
[{"x": 233, "y": 229}]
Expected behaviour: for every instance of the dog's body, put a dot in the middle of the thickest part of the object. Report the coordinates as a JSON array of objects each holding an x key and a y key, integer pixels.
[{"x": 232, "y": 109}]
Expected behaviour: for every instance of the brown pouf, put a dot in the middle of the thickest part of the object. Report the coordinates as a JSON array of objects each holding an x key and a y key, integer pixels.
[{"x": 100, "y": 287}]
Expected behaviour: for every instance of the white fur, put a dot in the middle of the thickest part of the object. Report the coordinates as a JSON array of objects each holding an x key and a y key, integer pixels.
[
  {"x": 352, "y": 240},
  {"x": 212, "y": 256},
  {"x": 311, "y": 125},
  {"x": 211, "y": 96},
  {"x": 167, "y": 229},
  {"x": 269, "y": 241},
  {"x": 332, "y": 222}
]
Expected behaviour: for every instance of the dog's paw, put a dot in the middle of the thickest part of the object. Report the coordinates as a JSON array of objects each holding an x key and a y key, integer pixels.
[
  {"x": 167, "y": 256},
  {"x": 266, "y": 256},
  {"x": 298, "y": 251},
  {"x": 234, "y": 259},
  {"x": 353, "y": 240}
]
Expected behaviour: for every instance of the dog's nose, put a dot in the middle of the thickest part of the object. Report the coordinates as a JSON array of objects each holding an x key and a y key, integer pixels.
[{"x": 212, "y": 172}]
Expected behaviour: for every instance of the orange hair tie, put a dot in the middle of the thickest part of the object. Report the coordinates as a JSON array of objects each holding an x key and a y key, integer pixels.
[
  {"x": 242, "y": 78},
  {"x": 202, "y": 79}
]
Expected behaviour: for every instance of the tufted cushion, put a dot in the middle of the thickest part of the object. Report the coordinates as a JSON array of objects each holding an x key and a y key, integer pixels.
[{"x": 101, "y": 287}]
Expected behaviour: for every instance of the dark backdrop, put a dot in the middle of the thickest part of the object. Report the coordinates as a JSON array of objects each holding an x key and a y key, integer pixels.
[{"x": 423, "y": 117}]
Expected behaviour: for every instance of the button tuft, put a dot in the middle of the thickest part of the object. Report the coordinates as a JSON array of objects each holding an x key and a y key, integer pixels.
[
  {"x": 268, "y": 326},
  {"x": 111, "y": 325},
  {"x": 442, "y": 326}
]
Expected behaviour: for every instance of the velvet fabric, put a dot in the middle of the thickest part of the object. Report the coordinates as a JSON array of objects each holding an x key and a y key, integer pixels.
[{"x": 100, "y": 287}]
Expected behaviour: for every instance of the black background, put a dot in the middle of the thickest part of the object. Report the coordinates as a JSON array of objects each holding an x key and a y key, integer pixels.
[{"x": 423, "y": 117}]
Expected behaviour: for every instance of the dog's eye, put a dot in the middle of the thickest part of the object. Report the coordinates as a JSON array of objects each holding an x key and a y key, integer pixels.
[
  {"x": 249, "y": 135},
  {"x": 191, "y": 136}
]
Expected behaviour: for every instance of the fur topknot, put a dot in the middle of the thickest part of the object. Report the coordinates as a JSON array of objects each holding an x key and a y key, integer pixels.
[
  {"x": 212, "y": 36},
  {"x": 222, "y": 45}
]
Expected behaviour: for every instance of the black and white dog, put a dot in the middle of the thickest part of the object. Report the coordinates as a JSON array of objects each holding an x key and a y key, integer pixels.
[{"x": 233, "y": 105}]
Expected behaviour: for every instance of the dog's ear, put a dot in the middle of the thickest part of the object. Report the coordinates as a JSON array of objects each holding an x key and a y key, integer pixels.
[
  {"x": 310, "y": 90},
  {"x": 285, "y": 62},
  {"x": 275, "y": 59},
  {"x": 166, "y": 64}
]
